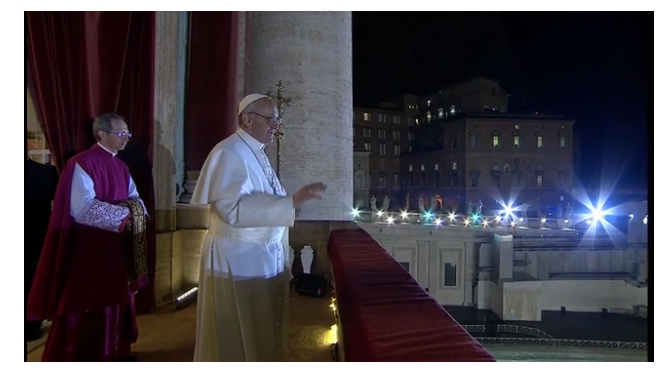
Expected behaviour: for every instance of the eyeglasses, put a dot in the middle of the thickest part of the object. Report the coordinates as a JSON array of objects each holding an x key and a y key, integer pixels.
[
  {"x": 274, "y": 120},
  {"x": 122, "y": 134}
]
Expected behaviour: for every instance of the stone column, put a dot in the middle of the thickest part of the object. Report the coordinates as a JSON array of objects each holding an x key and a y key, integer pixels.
[
  {"x": 241, "y": 55},
  {"x": 311, "y": 52},
  {"x": 169, "y": 83}
]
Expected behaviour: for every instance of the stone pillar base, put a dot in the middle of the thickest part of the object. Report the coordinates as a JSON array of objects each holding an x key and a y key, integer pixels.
[{"x": 189, "y": 186}]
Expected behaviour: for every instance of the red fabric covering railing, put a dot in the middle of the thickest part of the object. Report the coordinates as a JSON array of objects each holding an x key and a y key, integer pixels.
[{"x": 386, "y": 315}]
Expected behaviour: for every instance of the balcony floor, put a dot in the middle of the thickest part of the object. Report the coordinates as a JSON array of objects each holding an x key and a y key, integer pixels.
[{"x": 168, "y": 335}]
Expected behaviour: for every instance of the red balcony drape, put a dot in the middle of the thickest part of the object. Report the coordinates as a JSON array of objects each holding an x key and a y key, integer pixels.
[
  {"x": 84, "y": 64},
  {"x": 211, "y": 93}
]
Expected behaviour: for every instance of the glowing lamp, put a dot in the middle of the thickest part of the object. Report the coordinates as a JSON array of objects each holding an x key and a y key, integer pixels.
[{"x": 597, "y": 215}]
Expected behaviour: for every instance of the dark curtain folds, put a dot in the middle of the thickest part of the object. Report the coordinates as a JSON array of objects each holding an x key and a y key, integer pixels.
[{"x": 211, "y": 93}]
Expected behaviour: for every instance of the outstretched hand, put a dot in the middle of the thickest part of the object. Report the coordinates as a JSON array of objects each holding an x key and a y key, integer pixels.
[{"x": 307, "y": 193}]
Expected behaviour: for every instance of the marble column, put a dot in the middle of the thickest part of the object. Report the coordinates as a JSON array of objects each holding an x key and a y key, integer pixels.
[
  {"x": 169, "y": 83},
  {"x": 242, "y": 57},
  {"x": 311, "y": 52}
]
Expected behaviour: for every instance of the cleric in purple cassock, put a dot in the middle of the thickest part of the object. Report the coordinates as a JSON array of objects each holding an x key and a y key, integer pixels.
[{"x": 93, "y": 258}]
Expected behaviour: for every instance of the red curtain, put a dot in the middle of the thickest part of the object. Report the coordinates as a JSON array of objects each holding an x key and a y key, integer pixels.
[
  {"x": 84, "y": 64},
  {"x": 211, "y": 94}
]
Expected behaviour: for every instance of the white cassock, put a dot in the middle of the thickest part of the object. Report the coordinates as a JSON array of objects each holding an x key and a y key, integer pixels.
[{"x": 242, "y": 311}]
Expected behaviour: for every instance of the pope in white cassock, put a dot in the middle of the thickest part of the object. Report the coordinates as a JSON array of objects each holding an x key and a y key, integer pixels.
[{"x": 241, "y": 297}]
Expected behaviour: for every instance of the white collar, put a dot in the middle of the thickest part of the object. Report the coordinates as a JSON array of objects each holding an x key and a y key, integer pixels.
[
  {"x": 250, "y": 140},
  {"x": 106, "y": 149}
]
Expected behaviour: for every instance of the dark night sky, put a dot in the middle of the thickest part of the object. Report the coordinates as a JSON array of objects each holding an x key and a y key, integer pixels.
[{"x": 595, "y": 68}]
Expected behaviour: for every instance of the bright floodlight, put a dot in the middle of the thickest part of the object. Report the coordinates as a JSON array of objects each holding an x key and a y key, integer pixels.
[
  {"x": 451, "y": 216},
  {"x": 355, "y": 212},
  {"x": 437, "y": 221},
  {"x": 390, "y": 220},
  {"x": 485, "y": 223},
  {"x": 466, "y": 222},
  {"x": 543, "y": 220},
  {"x": 380, "y": 213},
  {"x": 428, "y": 215},
  {"x": 631, "y": 215},
  {"x": 508, "y": 210},
  {"x": 404, "y": 214},
  {"x": 597, "y": 215}
]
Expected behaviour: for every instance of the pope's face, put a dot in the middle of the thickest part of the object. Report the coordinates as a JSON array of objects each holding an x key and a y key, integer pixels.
[{"x": 263, "y": 123}]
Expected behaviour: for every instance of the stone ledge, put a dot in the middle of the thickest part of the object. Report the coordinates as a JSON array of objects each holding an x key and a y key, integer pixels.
[{"x": 192, "y": 216}]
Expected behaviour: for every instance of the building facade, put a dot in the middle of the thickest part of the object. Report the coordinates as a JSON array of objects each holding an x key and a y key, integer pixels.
[
  {"x": 468, "y": 148},
  {"x": 384, "y": 133}
]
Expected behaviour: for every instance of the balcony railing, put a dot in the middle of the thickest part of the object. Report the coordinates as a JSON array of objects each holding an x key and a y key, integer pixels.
[{"x": 385, "y": 315}]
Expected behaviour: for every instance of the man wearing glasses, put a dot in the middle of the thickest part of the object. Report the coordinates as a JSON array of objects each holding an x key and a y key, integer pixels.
[
  {"x": 83, "y": 282},
  {"x": 242, "y": 272}
]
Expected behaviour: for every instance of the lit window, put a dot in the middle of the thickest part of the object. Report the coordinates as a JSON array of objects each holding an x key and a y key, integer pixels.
[
  {"x": 539, "y": 181},
  {"x": 367, "y": 146},
  {"x": 428, "y": 116},
  {"x": 366, "y": 116},
  {"x": 440, "y": 113},
  {"x": 562, "y": 142},
  {"x": 453, "y": 110},
  {"x": 454, "y": 165},
  {"x": 516, "y": 141},
  {"x": 540, "y": 141},
  {"x": 495, "y": 141},
  {"x": 429, "y": 102}
]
